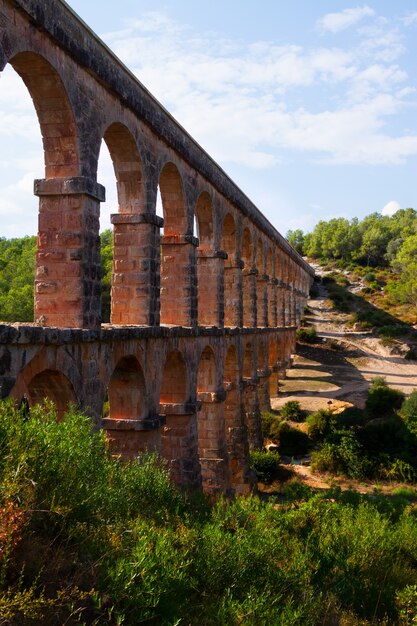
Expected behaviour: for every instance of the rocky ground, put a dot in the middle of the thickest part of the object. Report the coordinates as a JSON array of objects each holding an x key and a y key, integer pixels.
[{"x": 337, "y": 370}]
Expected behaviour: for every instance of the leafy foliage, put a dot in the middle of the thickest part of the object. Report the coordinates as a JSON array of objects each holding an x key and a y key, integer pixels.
[
  {"x": 87, "y": 539},
  {"x": 265, "y": 463},
  {"x": 17, "y": 275}
]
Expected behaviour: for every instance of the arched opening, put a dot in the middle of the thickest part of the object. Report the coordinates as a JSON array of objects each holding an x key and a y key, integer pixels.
[
  {"x": 250, "y": 399},
  {"x": 41, "y": 143},
  {"x": 271, "y": 307},
  {"x": 126, "y": 390},
  {"x": 249, "y": 281},
  {"x": 123, "y": 281},
  {"x": 127, "y": 169},
  {"x": 228, "y": 243},
  {"x": 263, "y": 375},
  {"x": 248, "y": 361},
  {"x": 206, "y": 381},
  {"x": 54, "y": 113},
  {"x": 178, "y": 293},
  {"x": 232, "y": 274},
  {"x": 212, "y": 448},
  {"x": 210, "y": 266},
  {"x": 261, "y": 287},
  {"x": 174, "y": 379},
  {"x": 52, "y": 385},
  {"x": 260, "y": 257},
  {"x": 204, "y": 217},
  {"x": 247, "y": 249},
  {"x": 173, "y": 201}
]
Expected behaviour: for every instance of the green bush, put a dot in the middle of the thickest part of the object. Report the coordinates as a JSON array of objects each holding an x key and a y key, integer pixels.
[
  {"x": 292, "y": 442},
  {"x": 350, "y": 418},
  {"x": 381, "y": 399},
  {"x": 320, "y": 424},
  {"x": 408, "y": 412},
  {"x": 270, "y": 426},
  {"x": 369, "y": 277},
  {"x": 292, "y": 410},
  {"x": 265, "y": 464},
  {"x": 307, "y": 335}
]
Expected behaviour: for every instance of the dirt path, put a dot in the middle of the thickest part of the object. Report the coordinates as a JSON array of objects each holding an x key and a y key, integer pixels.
[
  {"x": 336, "y": 372},
  {"x": 341, "y": 366}
]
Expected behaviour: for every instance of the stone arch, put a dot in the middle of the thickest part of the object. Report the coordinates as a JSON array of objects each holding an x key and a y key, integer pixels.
[
  {"x": 260, "y": 265},
  {"x": 127, "y": 168},
  {"x": 249, "y": 281},
  {"x": 178, "y": 295},
  {"x": 247, "y": 370},
  {"x": 232, "y": 274},
  {"x": 269, "y": 264},
  {"x": 173, "y": 200},
  {"x": 231, "y": 366},
  {"x": 247, "y": 248},
  {"x": 228, "y": 242},
  {"x": 207, "y": 372},
  {"x": 212, "y": 450},
  {"x": 52, "y": 385},
  {"x": 127, "y": 390},
  {"x": 262, "y": 365},
  {"x": 55, "y": 115},
  {"x": 204, "y": 216},
  {"x": 174, "y": 379}
]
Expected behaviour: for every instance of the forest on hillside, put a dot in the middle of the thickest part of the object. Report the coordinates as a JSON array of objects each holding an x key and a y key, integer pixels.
[{"x": 377, "y": 241}]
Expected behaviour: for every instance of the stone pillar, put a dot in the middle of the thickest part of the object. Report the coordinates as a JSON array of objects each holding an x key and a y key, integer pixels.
[
  {"x": 68, "y": 271},
  {"x": 180, "y": 444},
  {"x": 287, "y": 305},
  {"x": 211, "y": 287},
  {"x": 281, "y": 356},
  {"x": 272, "y": 302},
  {"x": 264, "y": 390},
  {"x": 280, "y": 304},
  {"x": 212, "y": 448},
  {"x": 233, "y": 288},
  {"x": 262, "y": 300},
  {"x": 293, "y": 306},
  {"x": 274, "y": 381},
  {"x": 129, "y": 437},
  {"x": 242, "y": 478},
  {"x": 252, "y": 413},
  {"x": 249, "y": 297},
  {"x": 135, "y": 281},
  {"x": 179, "y": 280}
]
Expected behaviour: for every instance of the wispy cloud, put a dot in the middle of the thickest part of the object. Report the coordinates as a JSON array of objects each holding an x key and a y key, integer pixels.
[
  {"x": 250, "y": 104},
  {"x": 335, "y": 22}
]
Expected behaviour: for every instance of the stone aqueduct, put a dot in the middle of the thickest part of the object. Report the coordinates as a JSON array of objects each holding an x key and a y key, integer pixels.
[{"x": 201, "y": 328}]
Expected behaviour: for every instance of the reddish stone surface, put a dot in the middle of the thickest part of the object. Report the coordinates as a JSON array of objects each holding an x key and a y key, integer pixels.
[{"x": 202, "y": 327}]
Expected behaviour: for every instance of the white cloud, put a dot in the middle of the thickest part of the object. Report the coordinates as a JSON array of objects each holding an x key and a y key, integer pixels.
[
  {"x": 391, "y": 207},
  {"x": 242, "y": 102},
  {"x": 410, "y": 19},
  {"x": 335, "y": 22}
]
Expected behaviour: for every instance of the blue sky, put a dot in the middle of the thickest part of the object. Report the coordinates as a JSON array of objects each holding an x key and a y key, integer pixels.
[{"x": 311, "y": 107}]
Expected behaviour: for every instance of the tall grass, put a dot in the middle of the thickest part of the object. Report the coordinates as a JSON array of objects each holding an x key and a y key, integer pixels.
[{"x": 86, "y": 539}]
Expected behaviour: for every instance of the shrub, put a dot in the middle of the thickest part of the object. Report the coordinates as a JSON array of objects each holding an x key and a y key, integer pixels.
[
  {"x": 349, "y": 418},
  {"x": 320, "y": 424},
  {"x": 369, "y": 277},
  {"x": 265, "y": 464},
  {"x": 293, "y": 411},
  {"x": 270, "y": 426},
  {"x": 381, "y": 399},
  {"x": 408, "y": 412},
  {"x": 307, "y": 335},
  {"x": 292, "y": 441}
]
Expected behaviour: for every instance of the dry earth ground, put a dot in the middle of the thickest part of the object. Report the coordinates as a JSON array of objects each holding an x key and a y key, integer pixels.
[{"x": 336, "y": 372}]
